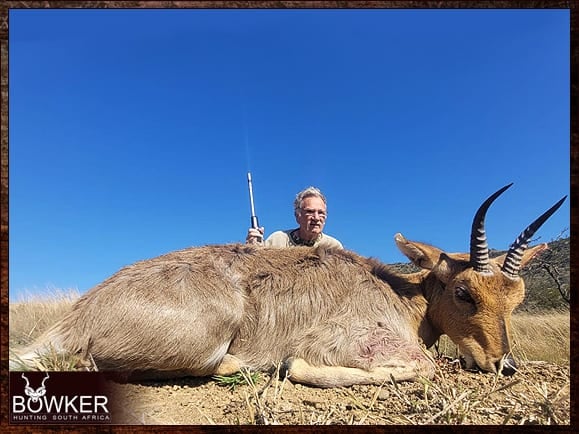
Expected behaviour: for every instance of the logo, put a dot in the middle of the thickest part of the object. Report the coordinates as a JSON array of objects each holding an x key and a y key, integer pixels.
[
  {"x": 77, "y": 398},
  {"x": 35, "y": 395}
]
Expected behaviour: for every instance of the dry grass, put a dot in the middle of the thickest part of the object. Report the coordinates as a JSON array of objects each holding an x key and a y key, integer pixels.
[
  {"x": 542, "y": 336},
  {"x": 495, "y": 400},
  {"x": 538, "y": 395},
  {"x": 29, "y": 317}
]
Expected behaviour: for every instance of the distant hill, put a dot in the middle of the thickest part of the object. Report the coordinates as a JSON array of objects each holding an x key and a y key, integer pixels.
[
  {"x": 543, "y": 276},
  {"x": 542, "y": 288}
]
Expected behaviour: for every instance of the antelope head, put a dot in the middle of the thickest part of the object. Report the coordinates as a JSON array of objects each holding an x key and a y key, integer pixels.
[{"x": 471, "y": 296}]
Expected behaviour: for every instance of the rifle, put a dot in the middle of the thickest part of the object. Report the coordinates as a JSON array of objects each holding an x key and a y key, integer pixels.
[{"x": 254, "y": 221}]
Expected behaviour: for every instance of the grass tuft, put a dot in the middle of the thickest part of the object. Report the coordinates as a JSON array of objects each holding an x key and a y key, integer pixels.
[{"x": 244, "y": 377}]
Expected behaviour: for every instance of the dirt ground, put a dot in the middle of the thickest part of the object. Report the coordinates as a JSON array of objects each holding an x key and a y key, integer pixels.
[{"x": 538, "y": 394}]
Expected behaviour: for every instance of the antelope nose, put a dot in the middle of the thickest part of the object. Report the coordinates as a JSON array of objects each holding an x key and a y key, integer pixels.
[{"x": 508, "y": 365}]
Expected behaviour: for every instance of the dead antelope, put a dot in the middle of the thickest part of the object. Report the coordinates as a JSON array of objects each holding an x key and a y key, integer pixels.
[{"x": 329, "y": 317}]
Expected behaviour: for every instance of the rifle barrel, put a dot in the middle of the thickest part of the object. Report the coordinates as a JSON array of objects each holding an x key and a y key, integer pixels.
[{"x": 254, "y": 222}]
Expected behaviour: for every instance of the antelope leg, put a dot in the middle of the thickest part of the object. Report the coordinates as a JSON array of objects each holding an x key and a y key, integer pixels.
[
  {"x": 300, "y": 371},
  {"x": 229, "y": 365}
]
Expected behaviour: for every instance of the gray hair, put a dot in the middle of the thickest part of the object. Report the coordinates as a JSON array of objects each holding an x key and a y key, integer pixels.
[{"x": 307, "y": 192}]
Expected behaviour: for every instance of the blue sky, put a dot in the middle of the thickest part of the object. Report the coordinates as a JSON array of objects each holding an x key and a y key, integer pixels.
[{"x": 131, "y": 131}]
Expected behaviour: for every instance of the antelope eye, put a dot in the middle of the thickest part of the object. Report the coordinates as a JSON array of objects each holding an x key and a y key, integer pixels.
[{"x": 463, "y": 295}]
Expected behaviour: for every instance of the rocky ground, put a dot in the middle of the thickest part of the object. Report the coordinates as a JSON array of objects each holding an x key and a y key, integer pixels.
[{"x": 538, "y": 394}]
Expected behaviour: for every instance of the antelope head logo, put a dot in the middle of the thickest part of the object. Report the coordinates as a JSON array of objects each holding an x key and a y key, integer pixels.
[{"x": 35, "y": 394}]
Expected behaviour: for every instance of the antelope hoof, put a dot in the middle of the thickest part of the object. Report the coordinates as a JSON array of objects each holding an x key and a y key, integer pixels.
[
  {"x": 507, "y": 367},
  {"x": 285, "y": 368}
]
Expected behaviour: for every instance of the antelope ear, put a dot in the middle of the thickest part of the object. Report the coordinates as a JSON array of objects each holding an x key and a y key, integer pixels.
[
  {"x": 429, "y": 258},
  {"x": 422, "y": 255},
  {"x": 528, "y": 254}
]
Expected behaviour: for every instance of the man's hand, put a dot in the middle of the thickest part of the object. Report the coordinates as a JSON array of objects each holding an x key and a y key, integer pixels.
[{"x": 255, "y": 236}]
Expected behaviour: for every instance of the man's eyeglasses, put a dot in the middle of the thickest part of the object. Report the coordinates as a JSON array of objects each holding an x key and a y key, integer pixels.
[{"x": 312, "y": 212}]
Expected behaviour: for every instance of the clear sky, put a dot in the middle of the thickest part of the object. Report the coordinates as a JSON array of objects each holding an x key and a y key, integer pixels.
[{"x": 132, "y": 131}]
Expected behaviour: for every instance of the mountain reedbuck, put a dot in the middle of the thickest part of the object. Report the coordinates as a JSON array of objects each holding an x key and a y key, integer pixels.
[{"x": 325, "y": 317}]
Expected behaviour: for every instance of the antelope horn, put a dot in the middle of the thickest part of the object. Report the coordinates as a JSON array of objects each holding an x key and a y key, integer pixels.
[
  {"x": 479, "y": 249},
  {"x": 512, "y": 262},
  {"x": 45, "y": 378},
  {"x": 26, "y": 379}
]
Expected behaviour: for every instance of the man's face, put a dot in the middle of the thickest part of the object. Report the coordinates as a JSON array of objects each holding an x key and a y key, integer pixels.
[{"x": 311, "y": 217}]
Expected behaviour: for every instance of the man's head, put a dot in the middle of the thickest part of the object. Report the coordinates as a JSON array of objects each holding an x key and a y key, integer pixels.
[{"x": 310, "y": 209}]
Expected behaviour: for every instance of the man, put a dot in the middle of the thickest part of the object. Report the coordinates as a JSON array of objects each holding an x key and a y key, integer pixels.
[{"x": 310, "y": 210}]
